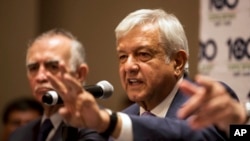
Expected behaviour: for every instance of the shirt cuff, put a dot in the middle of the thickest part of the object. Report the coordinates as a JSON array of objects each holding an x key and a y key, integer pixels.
[{"x": 126, "y": 133}]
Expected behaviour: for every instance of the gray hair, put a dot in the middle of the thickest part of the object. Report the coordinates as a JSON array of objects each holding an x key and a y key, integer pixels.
[
  {"x": 77, "y": 50},
  {"x": 172, "y": 33}
]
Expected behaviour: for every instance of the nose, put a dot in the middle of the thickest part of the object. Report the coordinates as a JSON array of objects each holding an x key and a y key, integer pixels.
[
  {"x": 131, "y": 65},
  {"x": 41, "y": 76}
]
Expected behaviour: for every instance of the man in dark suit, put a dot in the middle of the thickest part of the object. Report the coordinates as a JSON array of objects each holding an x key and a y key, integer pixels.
[
  {"x": 44, "y": 55},
  {"x": 152, "y": 50}
]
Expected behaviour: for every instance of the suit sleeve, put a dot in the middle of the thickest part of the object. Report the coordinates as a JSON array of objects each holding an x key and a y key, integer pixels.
[
  {"x": 230, "y": 91},
  {"x": 89, "y": 135},
  {"x": 161, "y": 129}
]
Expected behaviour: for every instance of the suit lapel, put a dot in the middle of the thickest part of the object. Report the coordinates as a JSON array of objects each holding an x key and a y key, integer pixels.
[
  {"x": 135, "y": 110},
  {"x": 132, "y": 110},
  {"x": 177, "y": 102},
  {"x": 58, "y": 133}
]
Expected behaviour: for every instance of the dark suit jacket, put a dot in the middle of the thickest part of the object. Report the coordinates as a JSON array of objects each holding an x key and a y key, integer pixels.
[
  {"x": 30, "y": 131},
  {"x": 171, "y": 128}
]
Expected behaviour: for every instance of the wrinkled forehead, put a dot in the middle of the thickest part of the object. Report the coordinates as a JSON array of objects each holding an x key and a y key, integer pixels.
[
  {"x": 145, "y": 35},
  {"x": 56, "y": 47}
]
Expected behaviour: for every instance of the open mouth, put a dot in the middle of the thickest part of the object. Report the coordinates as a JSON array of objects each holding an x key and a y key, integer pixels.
[{"x": 133, "y": 81}]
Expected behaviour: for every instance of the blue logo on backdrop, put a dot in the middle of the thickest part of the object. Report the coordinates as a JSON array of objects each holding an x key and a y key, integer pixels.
[
  {"x": 208, "y": 50},
  {"x": 239, "y": 48},
  {"x": 219, "y": 4},
  {"x": 222, "y": 12}
]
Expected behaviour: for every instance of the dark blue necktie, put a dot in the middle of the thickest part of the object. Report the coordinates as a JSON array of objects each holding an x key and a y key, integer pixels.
[
  {"x": 44, "y": 130},
  {"x": 147, "y": 113}
]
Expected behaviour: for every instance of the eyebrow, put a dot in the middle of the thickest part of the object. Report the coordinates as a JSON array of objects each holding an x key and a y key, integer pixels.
[
  {"x": 28, "y": 65},
  {"x": 50, "y": 62},
  {"x": 134, "y": 49}
]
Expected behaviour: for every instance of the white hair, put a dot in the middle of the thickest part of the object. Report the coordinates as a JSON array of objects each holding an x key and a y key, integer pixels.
[
  {"x": 172, "y": 33},
  {"x": 77, "y": 50}
]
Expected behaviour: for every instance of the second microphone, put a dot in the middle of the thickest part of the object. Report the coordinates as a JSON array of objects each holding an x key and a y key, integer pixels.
[{"x": 103, "y": 89}]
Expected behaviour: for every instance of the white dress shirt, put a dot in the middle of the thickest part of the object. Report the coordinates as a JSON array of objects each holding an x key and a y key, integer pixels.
[
  {"x": 56, "y": 120},
  {"x": 160, "y": 110}
]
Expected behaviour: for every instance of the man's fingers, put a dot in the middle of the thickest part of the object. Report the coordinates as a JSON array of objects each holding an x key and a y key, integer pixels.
[
  {"x": 195, "y": 101},
  {"x": 63, "y": 111},
  {"x": 73, "y": 119},
  {"x": 211, "y": 112},
  {"x": 198, "y": 122},
  {"x": 56, "y": 83},
  {"x": 187, "y": 87},
  {"x": 73, "y": 84},
  {"x": 205, "y": 82},
  {"x": 62, "y": 68}
]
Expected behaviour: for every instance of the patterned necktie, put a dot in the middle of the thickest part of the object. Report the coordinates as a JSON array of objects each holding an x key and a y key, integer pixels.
[
  {"x": 147, "y": 113},
  {"x": 44, "y": 130}
]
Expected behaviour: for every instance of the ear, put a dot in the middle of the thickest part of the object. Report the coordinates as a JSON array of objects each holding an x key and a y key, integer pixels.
[
  {"x": 180, "y": 59},
  {"x": 82, "y": 72}
]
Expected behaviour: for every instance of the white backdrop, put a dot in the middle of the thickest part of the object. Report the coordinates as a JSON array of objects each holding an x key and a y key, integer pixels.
[{"x": 225, "y": 43}]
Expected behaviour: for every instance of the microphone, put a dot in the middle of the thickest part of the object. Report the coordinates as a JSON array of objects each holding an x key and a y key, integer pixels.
[{"x": 102, "y": 90}]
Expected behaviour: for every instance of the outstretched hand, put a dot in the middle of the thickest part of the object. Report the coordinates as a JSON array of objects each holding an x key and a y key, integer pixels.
[
  {"x": 80, "y": 107},
  {"x": 210, "y": 104}
]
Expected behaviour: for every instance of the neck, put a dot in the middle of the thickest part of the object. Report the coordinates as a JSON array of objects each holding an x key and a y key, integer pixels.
[
  {"x": 149, "y": 105},
  {"x": 50, "y": 110}
]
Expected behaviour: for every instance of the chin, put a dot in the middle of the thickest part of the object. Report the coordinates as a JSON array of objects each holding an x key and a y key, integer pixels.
[{"x": 135, "y": 98}]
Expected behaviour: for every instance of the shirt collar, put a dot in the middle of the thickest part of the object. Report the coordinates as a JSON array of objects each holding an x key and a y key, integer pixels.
[
  {"x": 162, "y": 108},
  {"x": 56, "y": 119}
]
